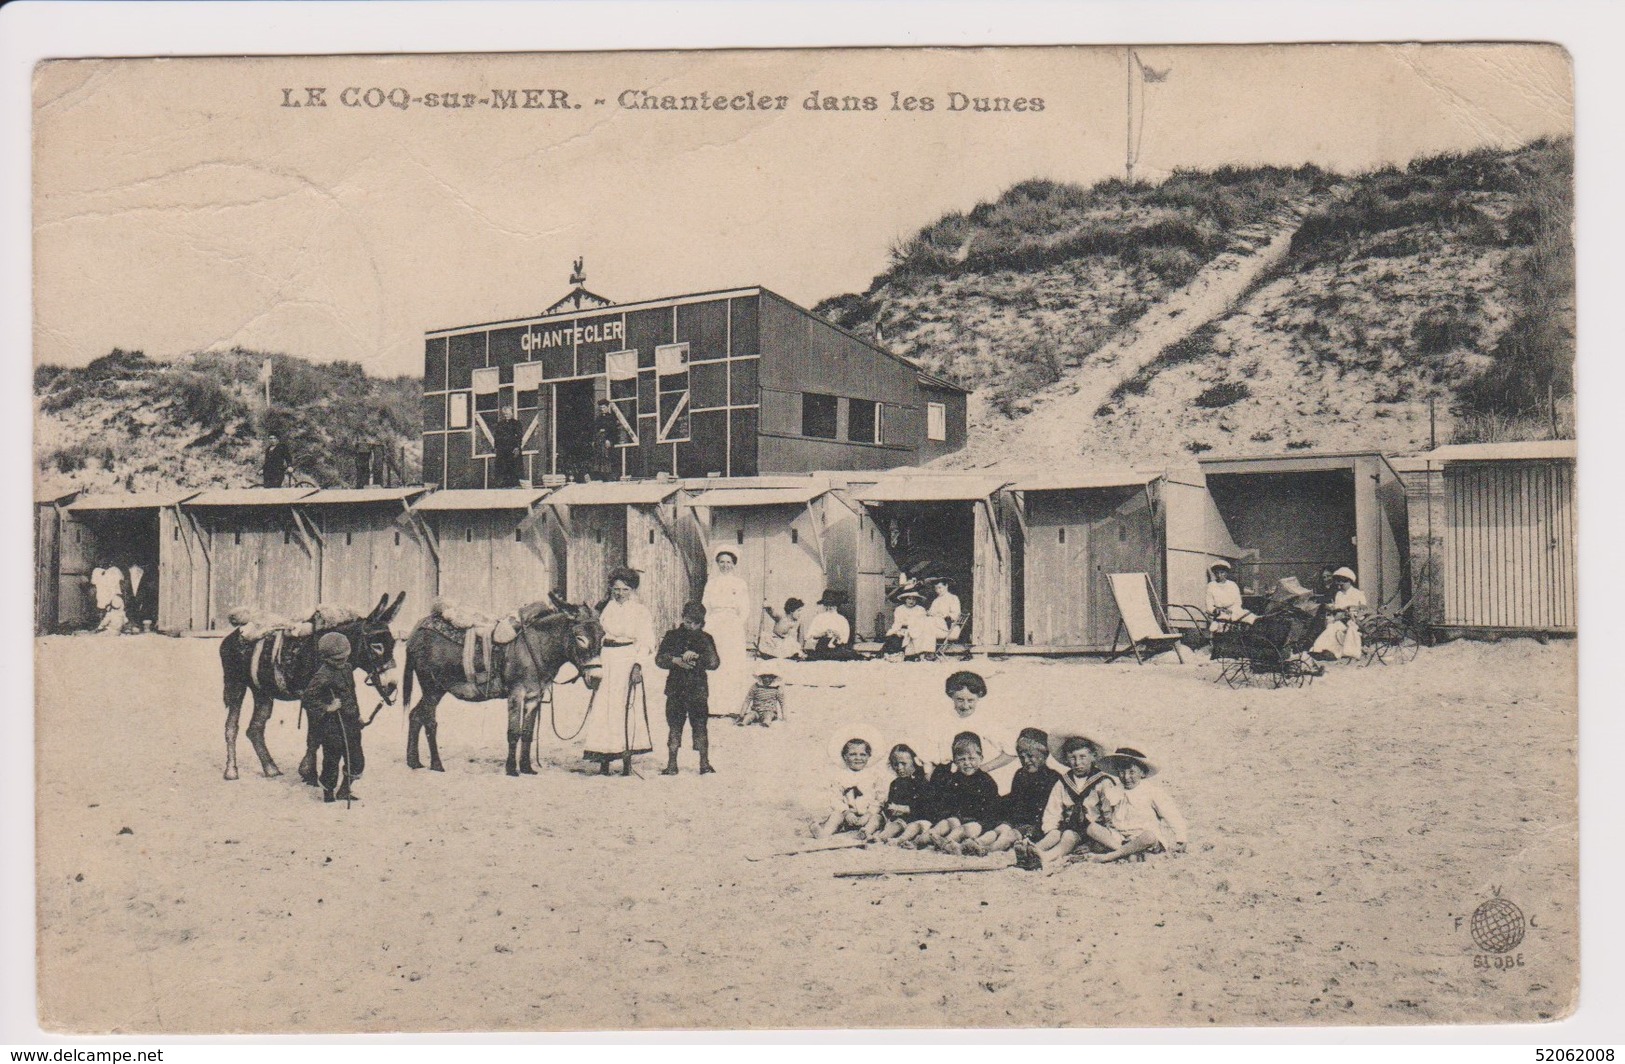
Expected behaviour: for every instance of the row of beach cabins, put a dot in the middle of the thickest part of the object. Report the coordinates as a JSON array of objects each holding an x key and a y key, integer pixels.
[{"x": 1470, "y": 537}]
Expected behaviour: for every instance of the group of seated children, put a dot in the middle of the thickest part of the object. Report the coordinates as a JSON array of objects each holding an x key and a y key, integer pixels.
[{"x": 1105, "y": 804}]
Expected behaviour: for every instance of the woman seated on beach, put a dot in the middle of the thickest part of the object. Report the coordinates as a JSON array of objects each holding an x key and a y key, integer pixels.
[
  {"x": 1224, "y": 597},
  {"x": 914, "y": 632},
  {"x": 1341, "y": 638}
]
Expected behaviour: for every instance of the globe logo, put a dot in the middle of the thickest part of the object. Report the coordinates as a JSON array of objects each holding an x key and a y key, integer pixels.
[{"x": 1497, "y": 926}]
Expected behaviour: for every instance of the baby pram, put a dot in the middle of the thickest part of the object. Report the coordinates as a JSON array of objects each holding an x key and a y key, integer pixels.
[{"x": 1271, "y": 649}]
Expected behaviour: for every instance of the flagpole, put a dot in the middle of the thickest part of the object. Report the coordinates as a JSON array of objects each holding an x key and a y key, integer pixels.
[{"x": 1128, "y": 116}]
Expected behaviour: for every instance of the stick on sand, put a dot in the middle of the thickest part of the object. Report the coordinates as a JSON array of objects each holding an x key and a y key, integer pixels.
[
  {"x": 819, "y": 846},
  {"x": 876, "y": 873}
]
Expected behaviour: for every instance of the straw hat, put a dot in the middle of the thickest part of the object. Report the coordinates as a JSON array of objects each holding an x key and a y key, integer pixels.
[
  {"x": 1347, "y": 574},
  {"x": 1220, "y": 564},
  {"x": 1131, "y": 756}
]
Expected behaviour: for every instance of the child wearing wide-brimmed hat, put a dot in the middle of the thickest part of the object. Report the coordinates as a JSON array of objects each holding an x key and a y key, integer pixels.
[
  {"x": 1138, "y": 815},
  {"x": 764, "y": 703}
]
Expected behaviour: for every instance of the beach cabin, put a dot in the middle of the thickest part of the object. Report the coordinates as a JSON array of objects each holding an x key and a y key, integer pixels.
[
  {"x": 946, "y": 524},
  {"x": 125, "y": 529},
  {"x": 495, "y": 549},
  {"x": 638, "y": 525},
  {"x": 50, "y": 503},
  {"x": 1078, "y": 528},
  {"x": 793, "y": 537},
  {"x": 1294, "y": 515},
  {"x": 371, "y": 546},
  {"x": 1509, "y": 540},
  {"x": 246, "y": 547}
]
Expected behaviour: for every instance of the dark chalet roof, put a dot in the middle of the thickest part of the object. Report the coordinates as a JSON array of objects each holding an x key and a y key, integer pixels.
[{"x": 554, "y": 313}]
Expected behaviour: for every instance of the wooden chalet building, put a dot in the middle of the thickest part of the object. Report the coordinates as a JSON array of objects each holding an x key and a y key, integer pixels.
[{"x": 735, "y": 383}]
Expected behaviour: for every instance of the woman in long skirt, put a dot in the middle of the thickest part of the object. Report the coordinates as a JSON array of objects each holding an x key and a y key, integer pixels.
[
  {"x": 727, "y": 604},
  {"x": 614, "y": 730}
]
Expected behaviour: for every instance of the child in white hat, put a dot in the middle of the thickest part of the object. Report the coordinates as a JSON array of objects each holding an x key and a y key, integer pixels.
[{"x": 1138, "y": 816}]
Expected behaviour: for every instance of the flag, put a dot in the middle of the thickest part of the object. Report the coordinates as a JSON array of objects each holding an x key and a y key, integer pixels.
[{"x": 265, "y": 372}]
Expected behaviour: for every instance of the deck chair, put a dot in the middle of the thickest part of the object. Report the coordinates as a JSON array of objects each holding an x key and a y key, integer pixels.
[{"x": 1140, "y": 617}]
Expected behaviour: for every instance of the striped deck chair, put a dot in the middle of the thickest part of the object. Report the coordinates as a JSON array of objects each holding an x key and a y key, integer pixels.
[{"x": 1141, "y": 619}]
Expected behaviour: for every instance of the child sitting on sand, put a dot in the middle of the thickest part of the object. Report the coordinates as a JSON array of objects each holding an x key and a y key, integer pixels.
[
  {"x": 965, "y": 798},
  {"x": 764, "y": 702},
  {"x": 855, "y": 804},
  {"x": 1022, "y": 810},
  {"x": 1138, "y": 816},
  {"x": 908, "y": 801},
  {"x": 1071, "y": 810}
]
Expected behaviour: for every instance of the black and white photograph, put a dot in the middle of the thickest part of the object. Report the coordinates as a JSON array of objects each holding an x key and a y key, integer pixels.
[{"x": 734, "y": 540}]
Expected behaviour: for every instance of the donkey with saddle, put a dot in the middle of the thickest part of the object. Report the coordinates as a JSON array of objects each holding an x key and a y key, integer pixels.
[
  {"x": 477, "y": 659},
  {"x": 277, "y": 659}
]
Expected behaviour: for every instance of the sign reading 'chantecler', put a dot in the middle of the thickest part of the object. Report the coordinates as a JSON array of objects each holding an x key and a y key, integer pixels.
[{"x": 540, "y": 339}]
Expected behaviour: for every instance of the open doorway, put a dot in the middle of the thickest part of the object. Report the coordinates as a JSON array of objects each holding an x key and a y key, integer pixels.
[
  {"x": 121, "y": 538},
  {"x": 923, "y": 540},
  {"x": 573, "y": 427},
  {"x": 1288, "y": 524}
]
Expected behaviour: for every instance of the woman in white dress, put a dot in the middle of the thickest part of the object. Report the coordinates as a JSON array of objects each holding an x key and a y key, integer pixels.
[
  {"x": 1341, "y": 639},
  {"x": 613, "y": 730},
  {"x": 727, "y": 604},
  {"x": 913, "y": 632}
]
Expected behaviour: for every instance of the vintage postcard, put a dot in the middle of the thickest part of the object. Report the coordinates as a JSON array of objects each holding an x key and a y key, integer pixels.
[{"x": 1022, "y": 537}]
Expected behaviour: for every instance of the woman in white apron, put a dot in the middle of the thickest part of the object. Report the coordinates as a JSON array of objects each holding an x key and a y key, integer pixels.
[
  {"x": 613, "y": 731},
  {"x": 727, "y": 604}
]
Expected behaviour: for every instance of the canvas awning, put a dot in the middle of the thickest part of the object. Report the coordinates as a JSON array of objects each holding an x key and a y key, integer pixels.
[
  {"x": 481, "y": 499},
  {"x": 1526, "y": 451},
  {"x": 348, "y": 496},
  {"x": 1106, "y": 478},
  {"x": 798, "y": 496},
  {"x": 249, "y": 497},
  {"x": 931, "y": 489},
  {"x": 612, "y": 493},
  {"x": 142, "y": 500}
]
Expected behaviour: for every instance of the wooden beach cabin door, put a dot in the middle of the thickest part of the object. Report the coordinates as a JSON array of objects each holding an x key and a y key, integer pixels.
[
  {"x": 1060, "y": 580},
  {"x": 597, "y": 545}
]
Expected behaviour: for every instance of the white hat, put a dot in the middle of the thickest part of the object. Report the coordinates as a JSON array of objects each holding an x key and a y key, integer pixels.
[{"x": 1347, "y": 574}]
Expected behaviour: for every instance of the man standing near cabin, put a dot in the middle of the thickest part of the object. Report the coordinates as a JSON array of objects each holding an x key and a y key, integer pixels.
[
  {"x": 278, "y": 459},
  {"x": 606, "y": 433},
  {"x": 506, "y": 439}
]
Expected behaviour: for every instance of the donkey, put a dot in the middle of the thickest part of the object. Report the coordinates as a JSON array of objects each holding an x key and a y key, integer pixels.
[
  {"x": 548, "y": 637},
  {"x": 248, "y": 666}
]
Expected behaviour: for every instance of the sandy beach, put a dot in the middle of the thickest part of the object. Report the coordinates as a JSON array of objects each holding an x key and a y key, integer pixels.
[{"x": 1341, "y": 837}]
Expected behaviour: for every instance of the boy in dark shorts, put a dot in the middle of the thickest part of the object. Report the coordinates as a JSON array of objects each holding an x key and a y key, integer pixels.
[
  {"x": 1022, "y": 810},
  {"x": 965, "y": 798},
  {"x": 687, "y": 653}
]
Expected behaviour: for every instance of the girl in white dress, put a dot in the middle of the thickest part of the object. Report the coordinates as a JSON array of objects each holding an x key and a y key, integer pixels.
[
  {"x": 727, "y": 604},
  {"x": 613, "y": 730}
]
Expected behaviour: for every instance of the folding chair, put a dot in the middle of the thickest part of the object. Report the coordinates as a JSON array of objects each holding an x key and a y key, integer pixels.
[{"x": 1140, "y": 616}]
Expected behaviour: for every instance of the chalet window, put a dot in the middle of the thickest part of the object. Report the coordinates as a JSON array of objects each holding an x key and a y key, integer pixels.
[
  {"x": 672, "y": 393},
  {"x": 863, "y": 421},
  {"x": 487, "y": 401},
  {"x": 621, "y": 367},
  {"x": 818, "y": 415},
  {"x": 936, "y": 421},
  {"x": 458, "y": 418}
]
